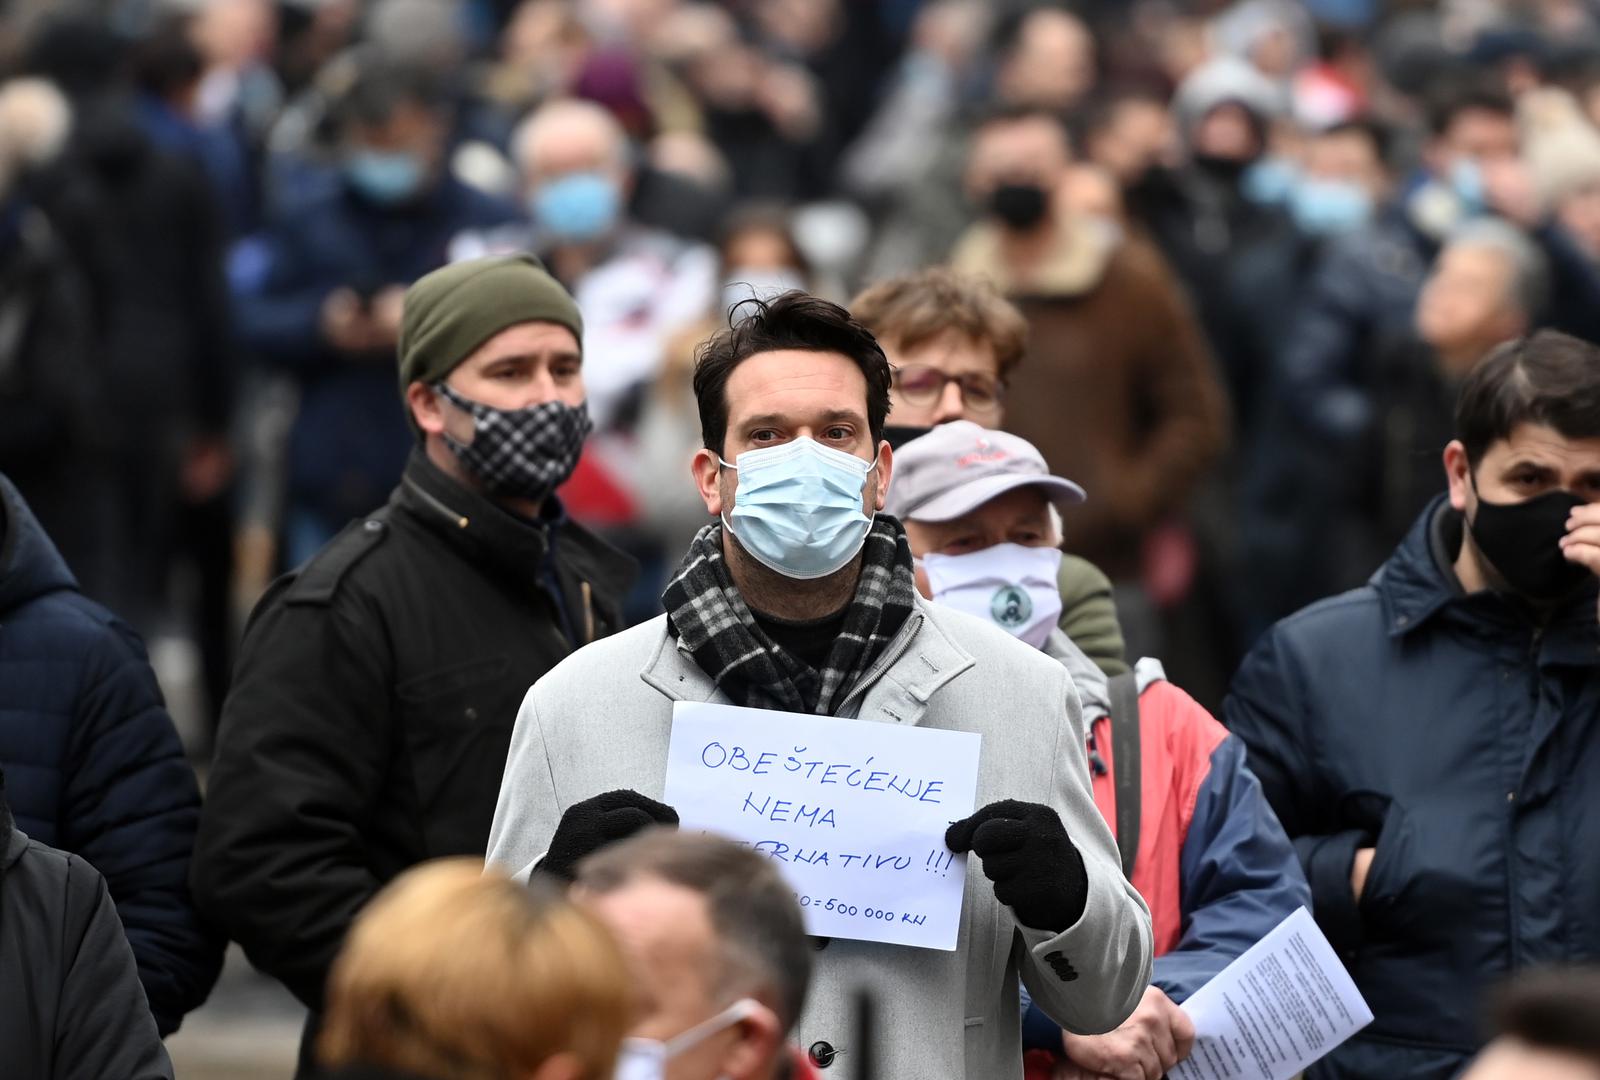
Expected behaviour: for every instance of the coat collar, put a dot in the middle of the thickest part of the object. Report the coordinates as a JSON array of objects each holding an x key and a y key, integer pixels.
[
  {"x": 1075, "y": 265},
  {"x": 514, "y": 546},
  {"x": 921, "y": 659},
  {"x": 1418, "y": 586}
]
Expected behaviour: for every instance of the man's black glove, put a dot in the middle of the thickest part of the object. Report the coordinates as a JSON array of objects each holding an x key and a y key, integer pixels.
[
  {"x": 592, "y": 824},
  {"x": 1036, "y": 871}
]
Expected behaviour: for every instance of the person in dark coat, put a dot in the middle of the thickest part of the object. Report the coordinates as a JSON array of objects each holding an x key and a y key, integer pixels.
[
  {"x": 144, "y": 228},
  {"x": 48, "y": 398},
  {"x": 1430, "y": 740},
  {"x": 73, "y": 1006},
  {"x": 95, "y": 764},
  {"x": 317, "y": 293},
  {"x": 377, "y": 686}
]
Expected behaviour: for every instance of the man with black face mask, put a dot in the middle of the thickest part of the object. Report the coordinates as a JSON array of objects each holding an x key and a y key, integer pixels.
[
  {"x": 1116, "y": 388},
  {"x": 377, "y": 685},
  {"x": 1429, "y": 740}
]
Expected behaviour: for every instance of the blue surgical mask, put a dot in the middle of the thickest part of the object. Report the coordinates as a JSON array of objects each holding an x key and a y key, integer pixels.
[
  {"x": 646, "y": 1059},
  {"x": 797, "y": 507},
  {"x": 1326, "y": 207},
  {"x": 1466, "y": 180},
  {"x": 1269, "y": 181},
  {"x": 386, "y": 177},
  {"x": 576, "y": 207}
]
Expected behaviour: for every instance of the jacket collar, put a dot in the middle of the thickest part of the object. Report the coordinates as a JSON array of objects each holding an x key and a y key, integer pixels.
[
  {"x": 515, "y": 547},
  {"x": 1418, "y": 585},
  {"x": 1075, "y": 265},
  {"x": 921, "y": 659}
]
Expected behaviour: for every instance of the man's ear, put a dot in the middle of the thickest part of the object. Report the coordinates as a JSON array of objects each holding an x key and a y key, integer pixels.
[
  {"x": 707, "y": 469},
  {"x": 752, "y": 1054},
  {"x": 1458, "y": 472},
  {"x": 885, "y": 472},
  {"x": 424, "y": 406}
]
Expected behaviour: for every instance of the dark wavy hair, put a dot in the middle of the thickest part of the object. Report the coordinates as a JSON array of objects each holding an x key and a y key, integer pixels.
[
  {"x": 794, "y": 320},
  {"x": 1549, "y": 378}
]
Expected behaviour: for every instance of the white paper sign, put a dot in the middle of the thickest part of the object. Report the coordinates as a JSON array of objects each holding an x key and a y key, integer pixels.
[
  {"x": 1284, "y": 1004},
  {"x": 853, "y": 811}
]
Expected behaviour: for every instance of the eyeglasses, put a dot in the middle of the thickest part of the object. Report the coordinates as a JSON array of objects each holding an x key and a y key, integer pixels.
[{"x": 920, "y": 384}]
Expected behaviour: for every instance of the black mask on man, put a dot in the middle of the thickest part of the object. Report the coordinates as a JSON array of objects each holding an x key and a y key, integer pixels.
[
  {"x": 897, "y": 435},
  {"x": 1522, "y": 541},
  {"x": 1019, "y": 206}
]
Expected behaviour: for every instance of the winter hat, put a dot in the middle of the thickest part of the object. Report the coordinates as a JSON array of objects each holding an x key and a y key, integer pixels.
[
  {"x": 452, "y": 311},
  {"x": 1561, "y": 146},
  {"x": 1221, "y": 81}
]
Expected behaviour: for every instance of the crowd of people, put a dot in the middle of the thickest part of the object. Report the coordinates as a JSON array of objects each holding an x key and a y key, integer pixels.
[{"x": 1198, "y": 401}]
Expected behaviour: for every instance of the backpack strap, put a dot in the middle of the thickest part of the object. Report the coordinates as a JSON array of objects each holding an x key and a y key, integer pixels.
[{"x": 1125, "y": 749}]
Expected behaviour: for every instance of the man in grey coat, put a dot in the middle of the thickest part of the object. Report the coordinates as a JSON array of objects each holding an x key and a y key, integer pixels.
[{"x": 801, "y": 599}]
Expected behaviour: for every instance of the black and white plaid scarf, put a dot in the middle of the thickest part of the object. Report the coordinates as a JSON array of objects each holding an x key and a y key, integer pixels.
[{"x": 711, "y": 620}]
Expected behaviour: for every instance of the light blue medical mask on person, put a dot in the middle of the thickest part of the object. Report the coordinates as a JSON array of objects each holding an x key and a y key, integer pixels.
[
  {"x": 1327, "y": 207},
  {"x": 1269, "y": 181},
  {"x": 646, "y": 1059},
  {"x": 797, "y": 507},
  {"x": 386, "y": 177},
  {"x": 577, "y": 207},
  {"x": 1466, "y": 180}
]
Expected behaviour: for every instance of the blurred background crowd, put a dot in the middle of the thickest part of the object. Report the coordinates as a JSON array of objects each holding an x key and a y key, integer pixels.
[
  {"x": 1257, "y": 246},
  {"x": 1291, "y": 226}
]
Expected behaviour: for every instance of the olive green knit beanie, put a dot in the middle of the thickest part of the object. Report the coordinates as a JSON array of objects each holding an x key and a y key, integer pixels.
[{"x": 455, "y": 309}]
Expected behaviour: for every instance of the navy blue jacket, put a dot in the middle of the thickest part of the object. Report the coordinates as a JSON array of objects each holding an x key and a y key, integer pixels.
[
  {"x": 1460, "y": 735},
  {"x": 350, "y": 439},
  {"x": 93, "y": 763}
]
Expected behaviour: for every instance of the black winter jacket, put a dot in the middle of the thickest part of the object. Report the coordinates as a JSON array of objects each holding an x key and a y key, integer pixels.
[
  {"x": 372, "y": 707},
  {"x": 73, "y": 1008},
  {"x": 94, "y": 763},
  {"x": 1460, "y": 736}
]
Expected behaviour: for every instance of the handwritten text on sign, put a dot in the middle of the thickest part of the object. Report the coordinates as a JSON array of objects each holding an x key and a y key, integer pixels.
[{"x": 853, "y": 811}]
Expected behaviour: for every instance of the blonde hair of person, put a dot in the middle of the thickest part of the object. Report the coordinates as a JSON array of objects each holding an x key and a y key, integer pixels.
[{"x": 454, "y": 973}]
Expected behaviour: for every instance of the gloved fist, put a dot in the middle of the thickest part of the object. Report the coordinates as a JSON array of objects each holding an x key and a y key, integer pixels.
[
  {"x": 592, "y": 824},
  {"x": 1036, "y": 871}
]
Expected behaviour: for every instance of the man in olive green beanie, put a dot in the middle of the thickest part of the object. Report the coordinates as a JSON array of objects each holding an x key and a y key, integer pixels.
[
  {"x": 377, "y": 686},
  {"x": 452, "y": 311}
]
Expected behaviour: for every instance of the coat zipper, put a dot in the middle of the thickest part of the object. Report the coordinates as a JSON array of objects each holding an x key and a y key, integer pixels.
[{"x": 896, "y": 649}]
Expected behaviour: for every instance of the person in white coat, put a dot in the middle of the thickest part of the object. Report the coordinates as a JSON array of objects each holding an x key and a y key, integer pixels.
[{"x": 801, "y": 598}]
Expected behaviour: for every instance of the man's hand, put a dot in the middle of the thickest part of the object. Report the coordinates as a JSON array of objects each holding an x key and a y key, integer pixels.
[
  {"x": 1360, "y": 868},
  {"x": 388, "y": 306},
  {"x": 595, "y": 823},
  {"x": 1153, "y": 1040},
  {"x": 1036, "y": 871},
  {"x": 344, "y": 323},
  {"x": 1582, "y": 542}
]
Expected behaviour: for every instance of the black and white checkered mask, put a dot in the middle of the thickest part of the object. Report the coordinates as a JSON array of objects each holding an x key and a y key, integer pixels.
[{"x": 526, "y": 453}]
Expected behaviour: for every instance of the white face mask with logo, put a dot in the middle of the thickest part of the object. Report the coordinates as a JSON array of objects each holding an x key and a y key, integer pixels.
[
  {"x": 646, "y": 1059},
  {"x": 1013, "y": 586}
]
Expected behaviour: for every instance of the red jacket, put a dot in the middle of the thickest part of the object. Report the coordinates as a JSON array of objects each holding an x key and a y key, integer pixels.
[{"x": 1213, "y": 863}]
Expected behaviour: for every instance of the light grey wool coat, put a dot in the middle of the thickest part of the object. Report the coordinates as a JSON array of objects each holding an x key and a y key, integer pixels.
[{"x": 602, "y": 719}]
